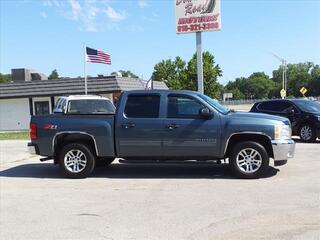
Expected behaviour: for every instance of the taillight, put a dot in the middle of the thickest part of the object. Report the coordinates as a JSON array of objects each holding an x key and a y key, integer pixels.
[{"x": 33, "y": 131}]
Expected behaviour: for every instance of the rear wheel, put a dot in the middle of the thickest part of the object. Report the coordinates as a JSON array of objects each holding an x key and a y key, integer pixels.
[
  {"x": 249, "y": 160},
  {"x": 76, "y": 161},
  {"x": 307, "y": 133}
]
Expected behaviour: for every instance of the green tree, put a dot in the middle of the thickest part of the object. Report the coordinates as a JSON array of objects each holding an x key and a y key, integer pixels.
[
  {"x": 211, "y": 72},
  {"x": 5, "y": 78},
  {"x": 257, "y": 85},
  {"x": 314, "y": 84},
  {"x": 54, "y": 74},
  {"x": 173, "y": 73},
  {"x": 128, "y": 73},
  {"x": 298, "y": 75},
  {"x": 232, "y": 88},
  {"x": 179, "y": 75}
]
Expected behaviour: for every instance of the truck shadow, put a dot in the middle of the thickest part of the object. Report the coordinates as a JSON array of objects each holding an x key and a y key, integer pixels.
[{"x": 133, "y": 171}]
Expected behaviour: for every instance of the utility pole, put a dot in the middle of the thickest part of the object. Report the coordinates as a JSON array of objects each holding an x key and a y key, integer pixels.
[
  {"x": 199, "y": 62},
  {"x": 284, "y": 72}
]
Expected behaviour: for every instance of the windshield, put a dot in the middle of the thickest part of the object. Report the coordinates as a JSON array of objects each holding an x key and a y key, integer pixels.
[
  {"x": 90, "y": 106},
  {"x": 214, "y": 103},
  {"x": 308, "y": 106}
]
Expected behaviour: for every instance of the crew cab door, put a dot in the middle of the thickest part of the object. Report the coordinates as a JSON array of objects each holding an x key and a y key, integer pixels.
[
  {"x": 139, "y": 128},
  {"x": 186, "y": 133}
]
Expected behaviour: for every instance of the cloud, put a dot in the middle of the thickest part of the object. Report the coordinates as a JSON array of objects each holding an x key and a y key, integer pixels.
[
  {"x": 142, "y": 3},
  {"x": 44, "y": 14},
  {"x": 114, "y": 15},
  {"x": 92, "y": 15},
  {"x": 153, "y": 17},
  {"x": 53, "y": 3},
  {"x": 75, "y": 8}
]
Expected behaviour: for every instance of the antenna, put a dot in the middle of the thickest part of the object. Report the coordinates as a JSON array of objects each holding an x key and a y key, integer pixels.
[{"x": 284, "y": 72}]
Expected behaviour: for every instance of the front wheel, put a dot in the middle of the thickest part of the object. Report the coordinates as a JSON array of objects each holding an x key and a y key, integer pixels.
[
  {"x": 307, "y": 133},
  {"x": 76, "y": 161},
  {"x": 249, "y": 160}
]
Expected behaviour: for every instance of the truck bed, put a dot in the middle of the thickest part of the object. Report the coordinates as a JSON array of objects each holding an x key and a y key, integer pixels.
[{"x": 98, "y": 126}]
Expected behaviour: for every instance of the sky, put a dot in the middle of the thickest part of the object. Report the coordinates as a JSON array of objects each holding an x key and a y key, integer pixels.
[{"x": 51, "y": 34}]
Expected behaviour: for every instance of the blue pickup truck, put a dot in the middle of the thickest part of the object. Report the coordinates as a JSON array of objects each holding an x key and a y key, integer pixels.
[{"x": 162, "y": 125}]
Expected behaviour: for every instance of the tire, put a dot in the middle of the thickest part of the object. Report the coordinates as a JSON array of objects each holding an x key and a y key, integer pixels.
[
  {"x": 307, "y": 133},
  {"x": 76, "y": 160},
  {"x": 104, "y": 162},
  {"x": 249, "y": 160}
]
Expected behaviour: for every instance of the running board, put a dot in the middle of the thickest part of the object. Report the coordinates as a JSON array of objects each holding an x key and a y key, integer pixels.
[
  {"x": 45, "y": 159},
  {"x": 170, "y": 161}
]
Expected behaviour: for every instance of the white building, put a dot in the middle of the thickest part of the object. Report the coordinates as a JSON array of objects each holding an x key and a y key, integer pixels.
[{"x": 28, "y": 95}]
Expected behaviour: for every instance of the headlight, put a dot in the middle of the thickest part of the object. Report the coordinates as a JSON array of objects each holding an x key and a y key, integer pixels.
[
  {"x": 319, "y": 118},
  {"x": 282, "y": 132}
]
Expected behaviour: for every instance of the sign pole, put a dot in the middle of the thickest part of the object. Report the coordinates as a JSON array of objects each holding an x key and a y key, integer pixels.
[
  {"x": 84, "y": 69},
  {"x": 199, "y": 62}
]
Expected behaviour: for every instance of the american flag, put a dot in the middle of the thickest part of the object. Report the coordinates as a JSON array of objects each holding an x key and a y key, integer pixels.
[{"x": 97, "y": 56}]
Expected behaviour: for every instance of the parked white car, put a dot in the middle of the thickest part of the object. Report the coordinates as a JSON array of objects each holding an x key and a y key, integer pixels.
[{"x": 84, "y": 104}]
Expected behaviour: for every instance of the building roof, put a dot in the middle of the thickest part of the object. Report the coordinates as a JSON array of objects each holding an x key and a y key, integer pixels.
[{"x": 72, "y": 86}]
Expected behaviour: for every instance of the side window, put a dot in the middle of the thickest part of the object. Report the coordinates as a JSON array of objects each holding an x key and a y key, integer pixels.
[
  {"x": 285, "y": 106},
  {"x": 267, "y": 106},
  {"x": 183, "y": 107},
  {"x": 274, "y": 106},
  {"x": 142, "y": 106}
]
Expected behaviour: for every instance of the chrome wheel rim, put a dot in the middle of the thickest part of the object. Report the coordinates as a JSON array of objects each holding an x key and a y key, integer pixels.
[
  {"x": 306, "y": 133},
  {"x": 75, "y": 161},
  {"x": 249, "y": 160}
]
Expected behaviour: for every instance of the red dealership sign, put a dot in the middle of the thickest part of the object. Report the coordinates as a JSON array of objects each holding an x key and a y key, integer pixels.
[{"x": 197, "y": 15}]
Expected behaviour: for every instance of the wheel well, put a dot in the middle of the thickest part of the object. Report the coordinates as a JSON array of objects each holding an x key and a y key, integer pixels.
[
  {"x": 262, "y": 139},
  {"x": 305, "y": 123},
  {"x": 63, "y": 139}
]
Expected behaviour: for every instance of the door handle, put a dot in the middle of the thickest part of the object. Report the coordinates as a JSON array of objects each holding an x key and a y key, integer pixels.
[
  {"x": 172, "y": 126},
  {"x": 128, "y": 125}
]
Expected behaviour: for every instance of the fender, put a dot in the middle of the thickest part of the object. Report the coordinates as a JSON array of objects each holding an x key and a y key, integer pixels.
[
  {"x": 244, "y": 132},
  {"x": 74, "y": 132}
]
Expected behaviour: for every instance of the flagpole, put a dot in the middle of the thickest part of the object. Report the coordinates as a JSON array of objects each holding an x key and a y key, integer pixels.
[{"x": 85, "y": 72}]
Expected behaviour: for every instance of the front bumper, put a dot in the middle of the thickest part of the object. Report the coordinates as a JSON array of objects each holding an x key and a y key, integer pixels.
[
  {"x": 33, "y": 149},
  {"x": 283, "y": 149}
]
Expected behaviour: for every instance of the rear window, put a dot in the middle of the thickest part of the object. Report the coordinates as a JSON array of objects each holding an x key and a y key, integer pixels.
[
  {"x": 90, "y": 106},
  {"x": 142, "y": 106}
]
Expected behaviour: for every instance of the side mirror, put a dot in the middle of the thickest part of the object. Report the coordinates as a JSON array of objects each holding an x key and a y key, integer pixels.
[
  {"x": 57, "y": 110},
  {"x": 290, "y": 112},
  {"x": 206, "y": 113}
]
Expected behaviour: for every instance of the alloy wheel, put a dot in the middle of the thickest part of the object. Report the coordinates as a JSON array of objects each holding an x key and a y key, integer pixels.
[
  {"x": 75, "y": 161},
  {"x": 249, "y": 160},
  {"x": 306, "y": 133}
]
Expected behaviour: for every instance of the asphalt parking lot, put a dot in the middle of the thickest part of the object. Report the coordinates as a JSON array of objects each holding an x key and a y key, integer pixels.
[{"x": 158, "y": 201}]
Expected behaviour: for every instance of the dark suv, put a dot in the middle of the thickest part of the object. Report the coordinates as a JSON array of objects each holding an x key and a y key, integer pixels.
[{"x": 303, "y": 114}]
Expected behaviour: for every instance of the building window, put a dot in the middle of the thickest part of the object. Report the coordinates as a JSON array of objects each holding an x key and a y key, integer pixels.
[{"x": 41, "y": 108}]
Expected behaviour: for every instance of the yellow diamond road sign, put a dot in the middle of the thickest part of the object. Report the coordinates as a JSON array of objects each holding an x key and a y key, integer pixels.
[
  {"x": 283, "y": 93},
  {"x": 303, "y": 90}
]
